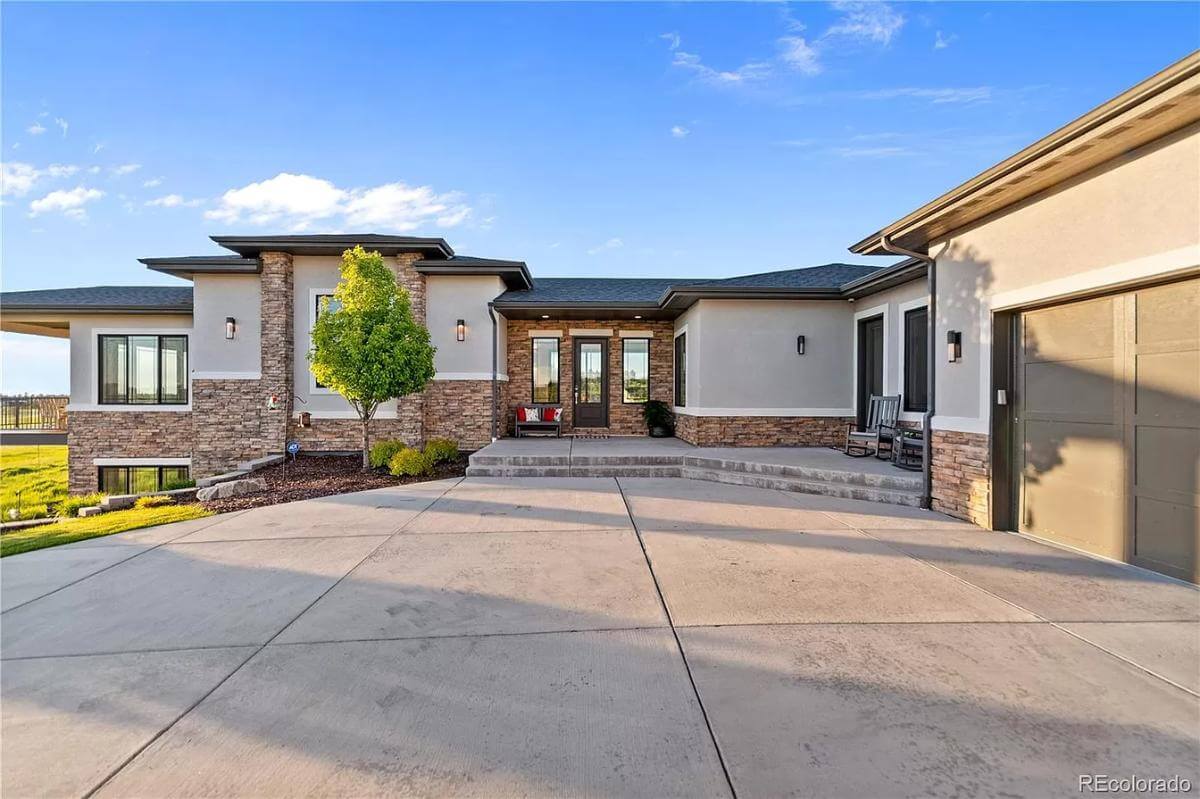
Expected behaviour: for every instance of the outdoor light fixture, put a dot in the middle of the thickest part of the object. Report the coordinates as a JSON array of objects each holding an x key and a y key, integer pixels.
[
  {"x": 954, "y": 345},
  {"x": 799, "y": 345},
  {"x": 230, "y": 326},
  {"x": 462, "y": 330},
  {"x": 545, "y": 316},
  {"x": 637, "y": 316}
]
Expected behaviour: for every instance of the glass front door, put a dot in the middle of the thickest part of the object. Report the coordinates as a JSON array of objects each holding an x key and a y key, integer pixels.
[{"x": 591, "y": 383}]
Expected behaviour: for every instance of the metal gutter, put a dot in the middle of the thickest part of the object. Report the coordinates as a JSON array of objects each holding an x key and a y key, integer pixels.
[{"x": 930, "y": 370}]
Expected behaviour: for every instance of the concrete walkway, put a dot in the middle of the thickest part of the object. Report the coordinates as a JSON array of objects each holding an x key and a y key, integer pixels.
[{"x": 588, "y": 637}]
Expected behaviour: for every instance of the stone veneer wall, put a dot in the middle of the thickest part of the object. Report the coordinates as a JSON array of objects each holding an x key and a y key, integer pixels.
[
  {"x": 623, "y": 418},
  {"x": 460, "y": 409},
  {"x": 762, "y": 431},
  {"x": 962, "y": 475},
  {"x": 122, "y": 434},
  {"x": 230, "y": 422}
]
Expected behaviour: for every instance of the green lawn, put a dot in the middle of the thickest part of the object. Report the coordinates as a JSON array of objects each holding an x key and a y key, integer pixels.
[
  {"x": 39, "y": 473},
  {"x": 117, "y": 521}
]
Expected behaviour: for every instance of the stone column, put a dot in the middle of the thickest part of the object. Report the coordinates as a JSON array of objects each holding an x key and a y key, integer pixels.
[
  {"x": 411, "y": 410},
  {"x": 278, "y": 347}
]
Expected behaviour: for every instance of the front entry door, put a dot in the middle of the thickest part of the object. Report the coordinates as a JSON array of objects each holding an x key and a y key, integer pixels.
[
  {"x": 591, "y": 382},
  {"x": 870, "y": 364}
]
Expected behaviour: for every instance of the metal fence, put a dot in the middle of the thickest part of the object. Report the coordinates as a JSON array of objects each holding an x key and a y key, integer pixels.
[{"x": 33, "y": 412}]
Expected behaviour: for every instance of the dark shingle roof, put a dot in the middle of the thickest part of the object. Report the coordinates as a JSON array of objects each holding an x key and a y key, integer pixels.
[
  {"x": 600, "y": 290},
  {"x": 826, "y": 276},
  {"x": 100, "y": 298}
]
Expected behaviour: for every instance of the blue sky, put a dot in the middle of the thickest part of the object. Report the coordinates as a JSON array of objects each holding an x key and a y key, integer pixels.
[{"x": 586, "y": 139}]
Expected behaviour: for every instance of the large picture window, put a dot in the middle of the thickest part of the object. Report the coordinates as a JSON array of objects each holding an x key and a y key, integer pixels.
[
  {"x": 916, "y": 359},
  {"x": 141, "y": 479},
  {"x": 545, "y": 370},
  {"x": 143, "y": 370},
  {"x": 681, "y": 370},
  {"x": 635, "y": 369}
]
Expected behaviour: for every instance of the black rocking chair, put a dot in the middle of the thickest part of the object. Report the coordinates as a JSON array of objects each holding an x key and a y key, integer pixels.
[{"x": 880, "y": 430}]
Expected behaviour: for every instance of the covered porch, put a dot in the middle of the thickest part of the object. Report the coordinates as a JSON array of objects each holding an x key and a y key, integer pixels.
[{"x": 809, "y": 470}]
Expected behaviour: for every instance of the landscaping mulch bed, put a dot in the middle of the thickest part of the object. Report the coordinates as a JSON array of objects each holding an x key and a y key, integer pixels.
[{"x": 322, "y": 475}]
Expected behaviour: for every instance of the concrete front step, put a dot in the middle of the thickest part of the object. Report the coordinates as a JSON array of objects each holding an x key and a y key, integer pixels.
[
  {"x": 892, "y": 482},
  {"x": 574, "y": 470},
  {"x": 806, "y": 486}
]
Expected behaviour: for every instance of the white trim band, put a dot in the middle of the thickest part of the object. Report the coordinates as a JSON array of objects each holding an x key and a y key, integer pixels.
[
  {"x": 637, "y": 334},
  {"x": 596, "y": 332},
  {"x": 141, "y": 461},
  {"x": 545, "y": 334},
  {"x": 344, "y": 415},
  {"x": 790, "y": 412}
]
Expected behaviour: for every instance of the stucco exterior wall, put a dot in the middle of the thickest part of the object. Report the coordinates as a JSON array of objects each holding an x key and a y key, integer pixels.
[
  {"x": 214, "y": 298},
  {"x": 448, "y": 299},
  {"x": 1133, "y": 218},
  {"x": 742, "y": 356}
]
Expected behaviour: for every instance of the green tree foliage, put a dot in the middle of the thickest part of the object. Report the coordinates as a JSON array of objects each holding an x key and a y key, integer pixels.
[{"x": 367, "y": 346}]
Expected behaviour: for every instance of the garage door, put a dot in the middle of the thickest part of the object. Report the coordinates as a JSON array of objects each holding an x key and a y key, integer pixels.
[{"x": 1108, "y": 426}]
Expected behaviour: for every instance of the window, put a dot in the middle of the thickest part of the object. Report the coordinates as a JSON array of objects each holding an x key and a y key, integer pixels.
[
  {"x": 324, "y": 302},
  {"x": 140, "y": 479},
  {"x": 143, "y": 370},
  {"x": 916, "y": 359},
  {"x": 635, "y": 369},
  {"x": 545, "y": 370},
  {"x": 681, "y": 370}
]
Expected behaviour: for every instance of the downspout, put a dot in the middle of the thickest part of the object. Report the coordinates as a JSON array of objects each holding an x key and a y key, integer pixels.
[
  {"x": 931, "y": 357},
  {"x": 495, "y": 341}
]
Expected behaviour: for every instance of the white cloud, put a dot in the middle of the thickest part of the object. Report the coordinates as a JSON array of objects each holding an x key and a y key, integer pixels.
[
  {"x": 173, "y": 201},
  {"x": 93, "y": 170},
  {"x": 36, "y": 129},
  {"x": 672, "y": 39},
  {"x": 151, "y": 183},
  {"x": 968, "y": 94},
  {"x": 799, "y": 54},
  {"x": 69, "y": 203},
  {"x": 611, "y": 244},
  {"x": 18, "y": 178},
  {"x": 62, "y": 125},
  {"x": 97, "y": 147},
  {"x": 125, "y": 169},
  {"x": 299, "y": 201},
  {"x": 866, "y": 21},
  {"x": 941, "y": 41},
  {"x": 748, "y": 72},
  {"x": 679, "y": 131},
  {"x": 871, "y": 152}
]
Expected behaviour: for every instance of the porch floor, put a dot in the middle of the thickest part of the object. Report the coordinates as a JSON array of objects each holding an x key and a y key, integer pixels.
[{"x": 813, "y": 470}]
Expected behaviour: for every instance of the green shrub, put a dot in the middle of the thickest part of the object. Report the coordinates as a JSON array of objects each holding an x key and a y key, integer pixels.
[
  {"x": 441, "y": 450},
  {"x": 408, "y": 463},
  {"x": 153, "y": 502},
  {"x": 175, "y": 485},
  {"x": 69, "y": 507},
  {"x": 382, "y": 452}
]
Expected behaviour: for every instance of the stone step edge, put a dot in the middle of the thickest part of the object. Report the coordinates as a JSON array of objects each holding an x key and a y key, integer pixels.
[{"x": 819, "y": 487}]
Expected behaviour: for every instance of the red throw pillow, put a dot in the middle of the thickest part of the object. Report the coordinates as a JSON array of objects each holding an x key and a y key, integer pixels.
[
  {"x": 521, "y": 415},
  {"x": 548, "y": 415}
]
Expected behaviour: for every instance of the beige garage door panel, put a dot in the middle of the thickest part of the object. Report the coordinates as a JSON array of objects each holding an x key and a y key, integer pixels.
[{"x": 1108, "y": 421}]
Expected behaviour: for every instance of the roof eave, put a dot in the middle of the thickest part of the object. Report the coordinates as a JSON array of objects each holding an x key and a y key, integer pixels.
[
  {"x": 895, "y": 275},
  {"x": 516, "y": 278},
  {"x": 251, "y": 246}
]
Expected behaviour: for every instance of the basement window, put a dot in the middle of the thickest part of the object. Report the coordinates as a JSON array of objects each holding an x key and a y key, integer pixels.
[{"x": 141, "y": 479}]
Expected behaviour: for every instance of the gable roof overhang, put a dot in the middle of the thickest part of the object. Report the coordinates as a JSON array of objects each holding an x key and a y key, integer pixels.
[
  {"x": 334, "y": 244},
  {"x": 1154, "y": 108},
  {"x": 188, "y": 266},
  {"x": 515, "y": 274}
]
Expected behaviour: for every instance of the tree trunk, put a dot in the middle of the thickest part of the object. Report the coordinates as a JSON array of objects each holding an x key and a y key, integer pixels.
[{"x": 366, "y": 439}]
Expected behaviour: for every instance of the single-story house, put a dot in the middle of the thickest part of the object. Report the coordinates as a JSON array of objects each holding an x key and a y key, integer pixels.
[{"x": 1055, "y": 296}]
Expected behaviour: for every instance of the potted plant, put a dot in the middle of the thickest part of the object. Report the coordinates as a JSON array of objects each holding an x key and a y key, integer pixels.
[{"x": 660, "y": 421}]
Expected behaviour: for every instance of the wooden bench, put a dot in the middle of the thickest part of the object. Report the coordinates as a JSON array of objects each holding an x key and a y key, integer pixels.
[
  {"x": 879, "y": 431},
  {"x": 541, "y": 424}
]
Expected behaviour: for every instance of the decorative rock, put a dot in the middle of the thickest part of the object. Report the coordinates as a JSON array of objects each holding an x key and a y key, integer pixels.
[
  {"x": 233, "y": 488},
  {"x": 94, "y": 510}
]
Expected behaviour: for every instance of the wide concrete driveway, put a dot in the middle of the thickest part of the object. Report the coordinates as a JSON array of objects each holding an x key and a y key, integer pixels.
[{"x": 588, "y": 638}]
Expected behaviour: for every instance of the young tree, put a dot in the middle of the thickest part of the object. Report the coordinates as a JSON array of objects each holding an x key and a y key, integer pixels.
[{"x": 366, "y": 345}]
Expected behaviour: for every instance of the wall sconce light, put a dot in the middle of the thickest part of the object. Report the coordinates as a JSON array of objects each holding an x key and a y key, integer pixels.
[
  {"x": 799, "y": 345},
  {"x": 462, "y": 330},
  {"x": 954, "y": 345},
  {"x": 230, "y": 326}
]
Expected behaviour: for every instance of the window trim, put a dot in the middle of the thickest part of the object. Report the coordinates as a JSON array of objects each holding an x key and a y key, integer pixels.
[
  {"x": 675, "y": 381},
  {"x": 158, "y": 336},
  {"x": 315, "y": 296},
  {"x": 533, "y": 369},
  {"x": 624, "y": 344},
  {"x": 905, "y": 362},
  {"x": 129, "y": 474}
]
